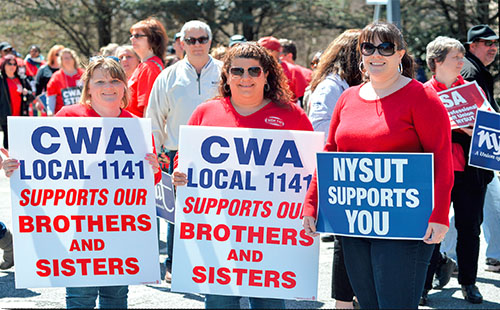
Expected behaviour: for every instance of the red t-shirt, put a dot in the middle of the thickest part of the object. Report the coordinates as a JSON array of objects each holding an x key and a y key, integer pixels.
[
  {"x": 15, "y": 90},
  {"x": 296, "y": 80},
  {"x": 32, "y": 69},
  {"x": 412, "y": 119},
  {"x": 80, "y": 110},
  {"x": 140, "y": 84},
  {"x": 59, "y": 82}
]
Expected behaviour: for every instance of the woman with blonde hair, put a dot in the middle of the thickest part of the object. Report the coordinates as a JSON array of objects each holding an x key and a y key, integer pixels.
[
  {"x": 129, "y": 60},
  {"x": 45, "y": 72}
]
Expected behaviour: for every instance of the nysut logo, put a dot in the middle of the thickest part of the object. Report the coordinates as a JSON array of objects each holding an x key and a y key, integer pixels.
[{"x": 275, "y": 121}]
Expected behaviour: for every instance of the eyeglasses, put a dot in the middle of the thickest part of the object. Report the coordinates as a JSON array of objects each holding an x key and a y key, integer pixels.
[
  {"x": 11, "y": 63},
  {"x": 137, "y": 36},
  {"x": 252, "y": 71},
  {"x": 489, "y": 42},
  {"x": 384, "y": 49},
  {"x": 192, "y": 41}
]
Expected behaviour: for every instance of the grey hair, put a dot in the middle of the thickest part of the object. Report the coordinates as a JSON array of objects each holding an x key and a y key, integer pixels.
[
  {"x": 439, "y": 48},
  {"x": 196, "y": 24}
]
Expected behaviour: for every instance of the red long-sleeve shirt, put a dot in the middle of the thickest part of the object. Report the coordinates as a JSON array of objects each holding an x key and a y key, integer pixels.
[
  {"x": 412, "y": 120},
  {"x": 140, "y": 84}
]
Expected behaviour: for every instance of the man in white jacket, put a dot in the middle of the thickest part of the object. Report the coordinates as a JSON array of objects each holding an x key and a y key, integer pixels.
[{"x": 177, "y": 91}]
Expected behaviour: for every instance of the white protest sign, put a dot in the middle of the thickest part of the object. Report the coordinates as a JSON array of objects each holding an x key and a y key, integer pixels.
[
  {"x": 238, "y": 229},
  {"x": 83, "y": 202}
]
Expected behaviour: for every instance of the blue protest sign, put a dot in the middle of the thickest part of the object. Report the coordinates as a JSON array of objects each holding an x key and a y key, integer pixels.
[
  {"x": 485, "y": 145},
  {"x": 165, "y": 201},
  {"x": 377, "y": 195}
]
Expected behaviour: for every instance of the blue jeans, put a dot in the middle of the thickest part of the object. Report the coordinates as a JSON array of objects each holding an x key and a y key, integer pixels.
[
  {"x": 3, "y": 230},
  {"x": 387, "y": 274},
  {"x": 110, "y": 297},
  {"x": 233, "y": 302}
]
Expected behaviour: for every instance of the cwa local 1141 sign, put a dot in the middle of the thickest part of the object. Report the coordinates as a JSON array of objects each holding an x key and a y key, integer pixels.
[
  {"x": 83, "y": 202},
  {"x": 237, "y": 223},
  {"x": 378, "y": 195}
]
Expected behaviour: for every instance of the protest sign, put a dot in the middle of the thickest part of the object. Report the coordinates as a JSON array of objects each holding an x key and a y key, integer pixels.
[
  {"x": 238, "y": 229},
  {"x": 461, "y": 102},
  {"x": 71, "y": 95},
  {"x": 83, "y": 207},
  {"x": 485, "y": 146},
  {"x": 378, "y": 195},
  {"x": 165, "y": 201}
]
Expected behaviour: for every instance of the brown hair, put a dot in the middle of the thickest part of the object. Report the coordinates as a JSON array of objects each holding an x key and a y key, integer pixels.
[
  {"x": 113, "y": 68},
  {"x": 278, "y": 90},
  {"x": 73, "y": 54},
  {"x": 52, "y": 55},
  {"x": 157, "y": 36},
  {"x": 340, "y": 57},
  {"x": 387, "y": 32}
]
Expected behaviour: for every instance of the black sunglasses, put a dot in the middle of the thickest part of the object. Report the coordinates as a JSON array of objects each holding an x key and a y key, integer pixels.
[
  {"x": 488, "y": 42},
  {"x": 252, "y": 71},
  {"x": 11, "y": 63},
  {"x": 137, "y": 36},
  {"x": 384, "y": 49},
  {"x": 192, "y": 41}
]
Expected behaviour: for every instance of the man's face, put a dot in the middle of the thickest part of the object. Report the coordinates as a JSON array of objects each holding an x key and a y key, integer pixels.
[
  {"x": 484, "y": 50},
  {"x": 197, "y": 49}
]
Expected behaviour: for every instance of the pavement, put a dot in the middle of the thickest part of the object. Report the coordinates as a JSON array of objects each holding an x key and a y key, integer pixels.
[{"x": 159, "y": 296}]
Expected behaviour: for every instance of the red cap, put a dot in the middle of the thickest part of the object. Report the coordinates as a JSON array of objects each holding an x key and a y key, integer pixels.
[{"x": 271, "y": 43}]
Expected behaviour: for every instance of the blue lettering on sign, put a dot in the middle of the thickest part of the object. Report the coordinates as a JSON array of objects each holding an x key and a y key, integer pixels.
[
  {"x": 294, "y": 159},
  {"x": 207, "y": 144},
  {"x": 113, "y": 146},
  {"x": 75, "y": 145},
  {"x": 36, "y": 140},
  {"x": 252, "y": 148}
]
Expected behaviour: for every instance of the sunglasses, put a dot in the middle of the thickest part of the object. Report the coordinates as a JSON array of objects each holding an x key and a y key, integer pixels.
[
  {"x": 252, "y": 71},
  {"x": 137, "y": 36},
  {"x": 488, "y": 42},
  {"x": 384, "y": 49},
  {"x": 192, "y": 41},
  {"x": 11, "y": 63}
]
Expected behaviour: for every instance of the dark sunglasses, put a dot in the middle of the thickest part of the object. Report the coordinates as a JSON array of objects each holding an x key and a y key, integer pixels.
[
  {"x": 252, "y": 71},
  {"x": 137, "y": 36},
  {"x": 384, "y": 49},
  {"x": 11, "y": 63},
  {"x": 192, "y": 41},
  {"x": 488, "y": 42}
]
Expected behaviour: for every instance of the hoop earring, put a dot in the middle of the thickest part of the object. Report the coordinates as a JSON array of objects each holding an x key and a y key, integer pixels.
[
  {"x": 361, "y": 67},
  {"x": 400, "y": 68},
  {"x": 227, "y": 89},
  {"x": 267, "y": 87}
]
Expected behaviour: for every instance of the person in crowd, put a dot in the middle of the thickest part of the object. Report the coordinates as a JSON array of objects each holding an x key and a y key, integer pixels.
[
  {"x": 177, "y": 45},
  {"x": 296, "y": 80},
  {"x": 218, "y": 52},
  {"x": 306, "y": 99},
  {"x": 315, "y": 60},
  {"x": 149, "y": 40},
  {"x": 289, "y": 54},
  {"x": 101, "y": 74},
  {"x": 482, "y": 48},
  {"x": 108, "y": 50},
  {"x": 337, "y": 70},
  {"x": 177, "y": 91},
  {"x": 15, "y": 94},
  {"x": 5, "y": 48},
  {"x": 65, "y": 80},
  {"x": 236, "y": 39},
  {"x": 7, "y": 260},
  {"x": 241, "y": 106},
  {"x": 34, "y": 60},
  {"x": 128, "y": 59},
  {"x": 45, "y": 72},
  {"x": 391, "y": 112},
  {"x": 420, "y": 71},
  {"x": 445, "y": 58}
]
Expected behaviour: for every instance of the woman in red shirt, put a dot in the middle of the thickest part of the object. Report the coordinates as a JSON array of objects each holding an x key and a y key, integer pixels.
[
  {"x": 15, "y": 94},
  {"x": 64, "y": 87},
  {"x": 149, "y": 40},
  {"x": 391, "y": 112}
]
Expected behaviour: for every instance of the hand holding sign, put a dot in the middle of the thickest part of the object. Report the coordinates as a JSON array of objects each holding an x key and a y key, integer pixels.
[
  {"x": 435, "y": 233},
  {"x": 179, "y": 178},
  {"x": 309, "y": 225}
]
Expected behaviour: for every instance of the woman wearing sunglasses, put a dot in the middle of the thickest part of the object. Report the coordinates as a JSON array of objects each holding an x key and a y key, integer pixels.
[
  {"x": 149, "y": 40},
  {"x": 15, "y": 94},
  {"x": 253, "y": 94},
  {"x": 391, "y": 112}
]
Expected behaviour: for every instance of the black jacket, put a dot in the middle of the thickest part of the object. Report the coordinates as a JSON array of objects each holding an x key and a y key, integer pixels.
[
  {"x": 474, "y": 70},
  {"x": 5, "y": 107}
]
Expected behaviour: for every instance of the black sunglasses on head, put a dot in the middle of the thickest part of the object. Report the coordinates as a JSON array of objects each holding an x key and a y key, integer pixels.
[
  {"x": 384, "y": 49},
  {"x": 252, "y": 71},
  {"x": 192, "y": 41}
]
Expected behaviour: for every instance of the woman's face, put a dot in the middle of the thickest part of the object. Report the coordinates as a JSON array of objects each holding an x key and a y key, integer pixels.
[
  {"x": 56, "y": 56},
  {"x": 452, "y": 64},
  {"x": 10, "y": 67},
  {"x": 140, "y": 42},
  {"x": 250, "y": 85},
  {"x": 379, "y": 67},
  {"x": 67, "y": 61},
  {"x": 104, "y": 90},
  {"x": 128, "y": 61}
]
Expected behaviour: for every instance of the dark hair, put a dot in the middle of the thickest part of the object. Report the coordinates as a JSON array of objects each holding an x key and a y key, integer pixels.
[
  {"x": 288, "y": 46},
  {"x": 5, "y": 60},
  {"x": 387, "y": 32},
  {"x": 157, "y": 36},
  {"x": 340, "y": 57},
  {"x": 278, "y": 90}
]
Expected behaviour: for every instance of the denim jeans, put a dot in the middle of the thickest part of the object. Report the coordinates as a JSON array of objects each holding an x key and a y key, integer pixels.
[
  {"x": 387, "y": 274},
  {"x": 3, "y": 230},
  {"x": 233, "y": 302},
  {"x": 110, "y": 297}
]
